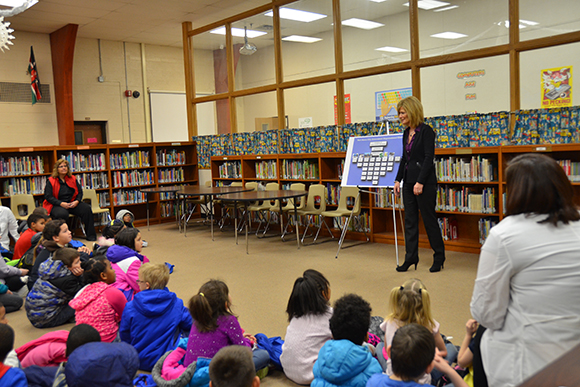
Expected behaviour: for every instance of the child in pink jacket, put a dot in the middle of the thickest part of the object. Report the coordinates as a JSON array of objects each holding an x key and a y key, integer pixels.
[
  {"x": 126, "y": 260},
  {"x": 98, "y": 304}
]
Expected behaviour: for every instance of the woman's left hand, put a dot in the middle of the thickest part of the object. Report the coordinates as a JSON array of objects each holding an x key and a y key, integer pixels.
[
  {"x": 74, "y": 204},
  {"x": 418, "y": 189}
]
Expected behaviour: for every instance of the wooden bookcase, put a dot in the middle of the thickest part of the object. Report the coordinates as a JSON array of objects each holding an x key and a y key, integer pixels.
[
  {"x": 326, "y": 168},
  {"x": 116, "y": 171}
]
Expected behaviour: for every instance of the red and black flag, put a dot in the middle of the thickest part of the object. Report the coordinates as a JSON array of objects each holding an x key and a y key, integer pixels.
[{"x": 34, "y": 81}]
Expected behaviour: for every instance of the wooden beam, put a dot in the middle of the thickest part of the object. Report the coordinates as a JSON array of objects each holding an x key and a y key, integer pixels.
[
  {"x": 189, "y": 80},
  {"x": 231, "y": 77},
  {"x": 514, "y": 62},
  {"x": 279, "y": 68},
  {"x": 62, "y": 46},
  {"x": 415, "y": 52},
  {"x": 338, "y": 61}
]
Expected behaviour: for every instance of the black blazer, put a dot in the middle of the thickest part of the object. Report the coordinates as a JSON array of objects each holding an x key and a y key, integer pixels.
[{"x": 419, "y": 168}]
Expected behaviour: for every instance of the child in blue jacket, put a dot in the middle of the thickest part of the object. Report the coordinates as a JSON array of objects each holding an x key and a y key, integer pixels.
[
  {"x": 155, "y": 319},
  {"x": 344, "y": 361}
]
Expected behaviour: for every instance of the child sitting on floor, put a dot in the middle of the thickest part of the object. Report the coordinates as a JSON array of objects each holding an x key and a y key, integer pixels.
[
  {"x": 412, "y": 355},
  {"x": 309, "y": 314},
  {"x": 233, "y": 367},
  {"x": 125, "y": 256},
  {"x": 108, "y": 236},
  {"x": 99, "y": 304},
  {"x": 59, "y": 281},
  {"x": 155, "y": 319},
  {"x": 215, "y": 326},
  {"x": 9, "y": 376},
  {"x": 36, "y": 224},
  {"x": 344, "y": 360}
]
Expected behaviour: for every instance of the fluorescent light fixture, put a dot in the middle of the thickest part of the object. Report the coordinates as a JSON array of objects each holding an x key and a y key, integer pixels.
[
  {"x": 446, "y": 8},
  {"x": 391, "y": 49},
  {"x": 301, "y": 39},
  {"x": 361, "y": 23},
  {"x": 429, "y": 4},
  {"x": 378, "y": 1},
  {"x": 16, "y": 3},
  {"x": 523, "y": 23},
  {"x": 297, "y": 15},
  {"x": 529, "y": 22},
  {"x": 448, "y": 35},
  {"x": 239, "y": 32}
]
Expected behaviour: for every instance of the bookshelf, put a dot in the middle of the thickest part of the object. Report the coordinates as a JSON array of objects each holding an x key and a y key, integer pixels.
[
  {"x": 117, "y": 172},
  {"x": 470, "y": 183}
]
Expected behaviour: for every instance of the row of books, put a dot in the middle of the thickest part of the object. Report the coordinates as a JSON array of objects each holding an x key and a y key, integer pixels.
[
  {"x": 364, "y": 223},
  {"x": 133, "y": 159},
  {"x": 572, "y": 169},
  {"x": 24, "y": 185},
  {"x": 231, "y": 170},
  {"x": 122, "y": 197},
  {"x": 80, "y": 162},
  {"x": 459, "y": 169},
  {"x": 266, "y": 169},
  {"x": 466, "y": 199},
  {"x": 384, "y": 199},
  {"x": 484, "y": 225},
  {"x": 93, "y": 180},
  {"x": 104, "y": 199},
  {"x": 167, "y": 209},
  {"x": 448, "y": 228},
  {"x": 299, "y": 169},
  {"x": 340, "y": 168},
  {"x": 132, "y": 178},
  {"x": 170, "y": 175},
  {"x": 171, "y": 157},
  {"x": 21, "y": 165}
]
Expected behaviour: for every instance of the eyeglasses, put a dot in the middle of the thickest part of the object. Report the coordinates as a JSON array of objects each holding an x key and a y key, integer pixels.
[{"x": 63, "y": 166}]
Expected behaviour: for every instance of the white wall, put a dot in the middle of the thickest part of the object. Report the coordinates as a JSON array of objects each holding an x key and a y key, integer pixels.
[{"x": 24, "y": 124}]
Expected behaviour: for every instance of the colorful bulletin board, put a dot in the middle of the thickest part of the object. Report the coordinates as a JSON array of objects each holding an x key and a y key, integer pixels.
[{"x": 386, "y": 103}]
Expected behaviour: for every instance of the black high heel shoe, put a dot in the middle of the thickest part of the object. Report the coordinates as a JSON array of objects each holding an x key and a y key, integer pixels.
[
  {"x": 437, "y": 266},
  {"x": 406, "y": 265}
]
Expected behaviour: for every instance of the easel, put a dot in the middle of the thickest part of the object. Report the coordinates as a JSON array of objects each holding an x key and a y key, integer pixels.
[{"x": 393, "y": 199}]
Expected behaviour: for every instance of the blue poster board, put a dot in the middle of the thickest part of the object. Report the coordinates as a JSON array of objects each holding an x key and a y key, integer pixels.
[{"x": 372, "y": 161}]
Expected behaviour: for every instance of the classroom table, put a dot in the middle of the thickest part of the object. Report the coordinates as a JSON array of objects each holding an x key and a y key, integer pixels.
[
  {"x": 147, "y": 191},
  {"x": 252, "y": 196},
  {"x": 209, "y": 192}
]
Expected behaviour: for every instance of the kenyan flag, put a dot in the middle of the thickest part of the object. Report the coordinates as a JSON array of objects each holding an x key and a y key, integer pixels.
[{"x": 34, "y": 81}]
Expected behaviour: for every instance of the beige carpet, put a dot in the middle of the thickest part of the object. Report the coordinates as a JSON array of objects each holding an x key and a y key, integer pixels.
[{"x": 260, "y": 282}]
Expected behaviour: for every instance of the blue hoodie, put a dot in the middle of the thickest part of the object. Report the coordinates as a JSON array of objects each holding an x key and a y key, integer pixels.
[
  {"x": 343, "y": 363},
  {"x": 152, "y": 323}
]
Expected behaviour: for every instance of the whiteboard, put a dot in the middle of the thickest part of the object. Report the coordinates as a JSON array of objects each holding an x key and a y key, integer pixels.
[{"x": 169, "y": 116}]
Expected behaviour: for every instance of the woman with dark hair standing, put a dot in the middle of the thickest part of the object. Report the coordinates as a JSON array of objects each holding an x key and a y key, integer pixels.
[
  {"x": 528, "y": 280},
  {"x": 63, "y": 195},
  {"x": 417, "y": 172}
]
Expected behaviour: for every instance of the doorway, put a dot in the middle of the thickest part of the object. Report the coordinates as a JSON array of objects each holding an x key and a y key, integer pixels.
[{"x": 90, "y": 132}]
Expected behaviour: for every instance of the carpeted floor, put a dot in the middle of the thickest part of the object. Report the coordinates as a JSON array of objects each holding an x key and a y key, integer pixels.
[{"x": 260, "y": 282}]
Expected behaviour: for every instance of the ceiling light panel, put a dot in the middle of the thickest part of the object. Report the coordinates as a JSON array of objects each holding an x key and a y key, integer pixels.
[
  {"x": 361, "y": 23},
  {"x": 429, "y": 4},
  {"x": 391, "y": 49},
  {"x": 297, "y": 15},
  {"x": 446, "y": 8},
  {"x": 239, "y": 32},
  {"x": 449, "y": 35},
  {"x": 301, "y": 39}
]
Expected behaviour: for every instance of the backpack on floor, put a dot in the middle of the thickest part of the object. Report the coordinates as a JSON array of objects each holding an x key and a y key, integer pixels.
[{"x": 274, "y": 347}]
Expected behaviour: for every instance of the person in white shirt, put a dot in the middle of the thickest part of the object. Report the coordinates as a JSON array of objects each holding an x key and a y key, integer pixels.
[
  {"x": 528, "y": 279},
  {"x": 8, "y": 225}
]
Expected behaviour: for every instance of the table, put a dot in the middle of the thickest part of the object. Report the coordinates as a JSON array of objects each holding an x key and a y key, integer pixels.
[
  {"x": 147, "y": 191},
  {"x": 251, "y": 196},
  {"x": 196, "y": 190}
]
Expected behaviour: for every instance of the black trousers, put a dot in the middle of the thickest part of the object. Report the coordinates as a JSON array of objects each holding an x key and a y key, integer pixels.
[
  {"x": 426, "y": 204},
  {"x": 83, "y": 211}
]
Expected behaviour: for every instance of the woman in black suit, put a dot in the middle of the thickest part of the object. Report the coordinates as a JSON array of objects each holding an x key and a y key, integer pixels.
[{"x": 417, "y": 171}]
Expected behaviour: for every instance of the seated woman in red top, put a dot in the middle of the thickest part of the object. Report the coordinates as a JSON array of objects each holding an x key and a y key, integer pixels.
[{"x": 63, "y": 195}]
